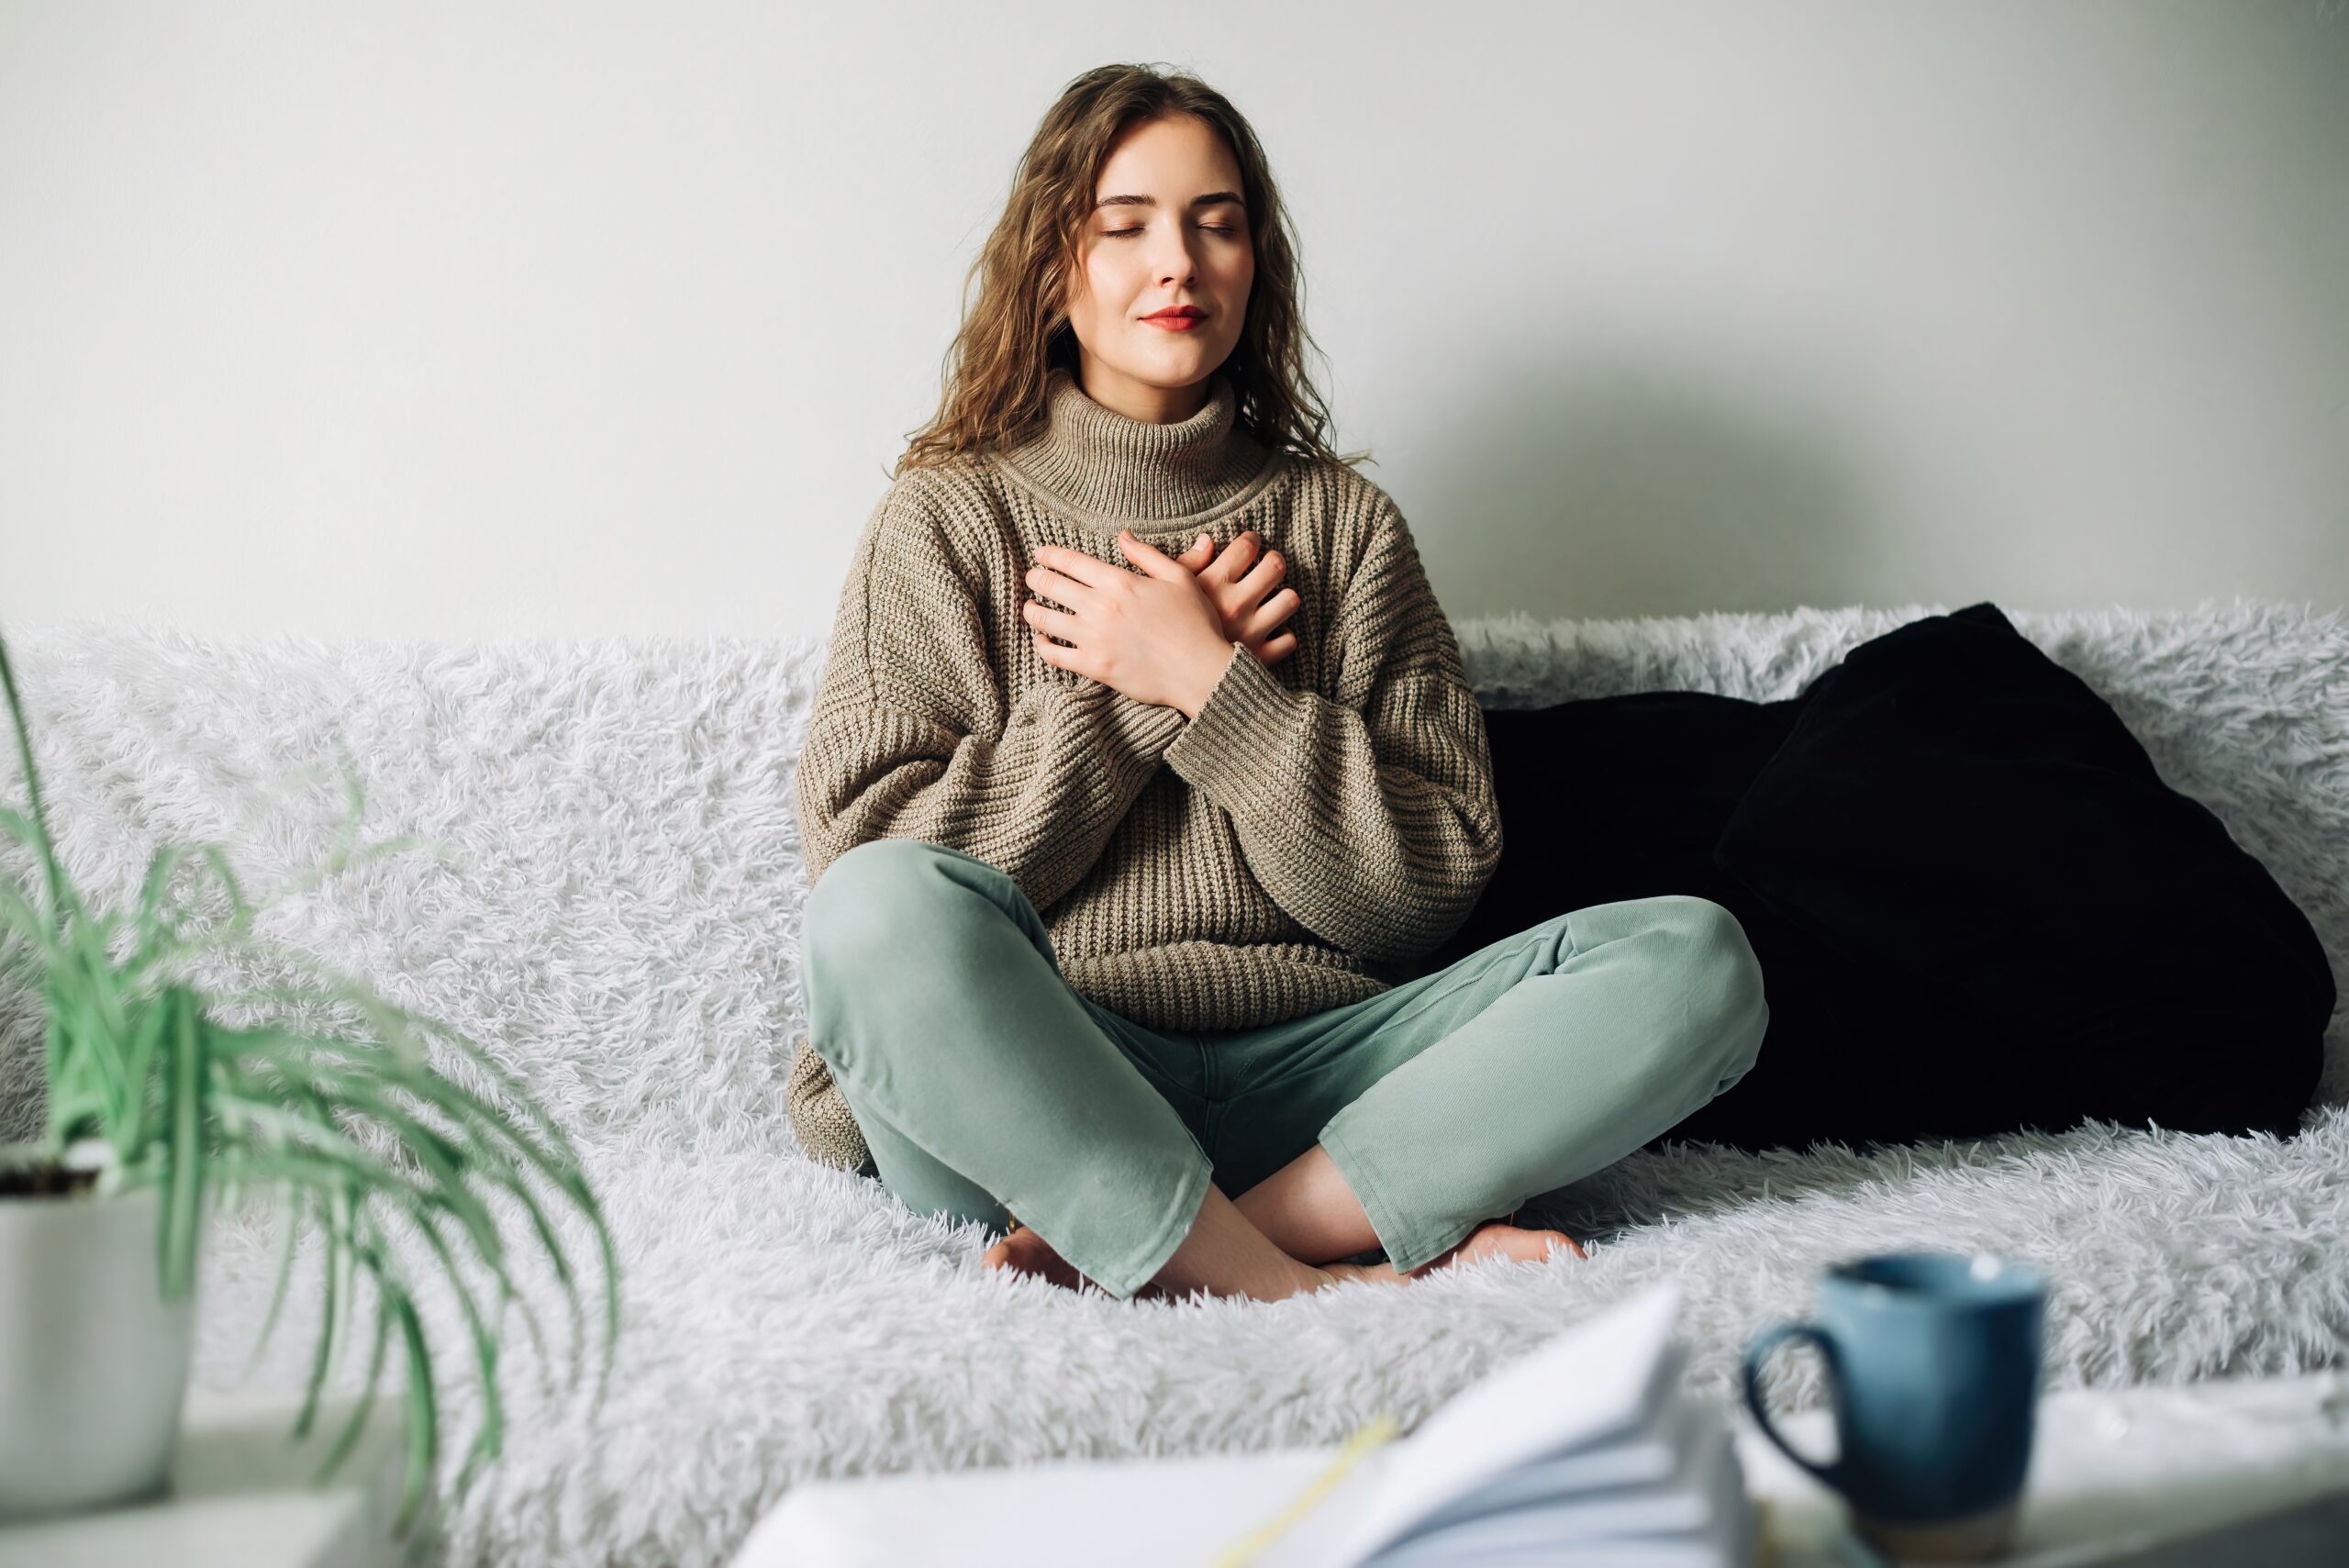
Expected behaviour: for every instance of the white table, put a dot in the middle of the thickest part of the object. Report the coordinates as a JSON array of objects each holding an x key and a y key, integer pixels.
[
  {"x": 240, "y": 1497},
  {"x": 2112, "y": 1474},
  {"x": 2115, "y": 1476}
]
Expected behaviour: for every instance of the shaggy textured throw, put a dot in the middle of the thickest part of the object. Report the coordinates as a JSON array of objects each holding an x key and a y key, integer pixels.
[{"x": 621, "y": 928}]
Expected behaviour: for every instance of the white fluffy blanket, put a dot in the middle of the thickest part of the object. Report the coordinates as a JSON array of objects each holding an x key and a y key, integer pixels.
[{"x": 626, "y": 933}]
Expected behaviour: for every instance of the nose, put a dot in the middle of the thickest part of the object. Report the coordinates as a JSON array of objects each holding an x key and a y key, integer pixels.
[{"x": 1179, "y": 264}]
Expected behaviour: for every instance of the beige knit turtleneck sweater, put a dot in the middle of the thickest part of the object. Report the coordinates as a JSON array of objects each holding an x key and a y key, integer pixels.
[{"x": 1322, "y": 821}]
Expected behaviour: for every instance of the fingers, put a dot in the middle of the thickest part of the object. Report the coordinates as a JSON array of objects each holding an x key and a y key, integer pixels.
[
  {"x": 1055, "y": 564},
  {"x": 1269, "y": 615},
  {"x": 1227, "y": 567},
  {"x": 1263, "y": 575},
  {"x": 1153, "y": 561},
  {"x": 1241, "y": 584},
  {"x": 1060, "y": 623},
  {"x": 1200, "y": 555}
]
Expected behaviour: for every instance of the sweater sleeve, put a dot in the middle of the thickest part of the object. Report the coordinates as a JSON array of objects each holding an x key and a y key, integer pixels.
[
  {"x": 1370, "y": 819},
  {"x": 911, "y": 734}
]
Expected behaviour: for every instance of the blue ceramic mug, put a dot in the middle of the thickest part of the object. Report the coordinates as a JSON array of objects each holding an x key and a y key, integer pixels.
[{"x": 1932, "y": 1366}]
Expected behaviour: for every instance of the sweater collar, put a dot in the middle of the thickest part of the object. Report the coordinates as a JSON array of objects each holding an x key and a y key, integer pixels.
[{"x": 1106, "y": 472}]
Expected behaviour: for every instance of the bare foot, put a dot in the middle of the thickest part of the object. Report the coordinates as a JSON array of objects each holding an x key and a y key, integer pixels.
[
  {"x": 1498, "y": 1238},
  {"x": 1026, "y": 1252},
  {"x": 1030, "y": 1254},
  {"x": 1495, "y": 1238}
]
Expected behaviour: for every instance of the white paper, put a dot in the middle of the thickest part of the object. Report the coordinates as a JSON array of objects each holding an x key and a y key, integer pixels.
[
  {"x": 1137, "y": 1513},
  {"x": 1607, "y": 1379},
  {"x": 1647, "y": 1456},
  {"x": 1599, "y": 1379}
]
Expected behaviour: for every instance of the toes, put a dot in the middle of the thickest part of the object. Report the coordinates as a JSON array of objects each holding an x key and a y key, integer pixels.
[
  {"x": 1540, "y": 1245},
  {"x": 1013, "y": 1251},
  {"x": 1552, "y": 1242},
  {"x": 1026, "y": 1252},
  {"x": 1498, "y": 1238}
]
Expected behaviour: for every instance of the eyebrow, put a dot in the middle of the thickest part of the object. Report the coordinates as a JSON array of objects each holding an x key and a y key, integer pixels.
[{"x": 1211, "y": 199}]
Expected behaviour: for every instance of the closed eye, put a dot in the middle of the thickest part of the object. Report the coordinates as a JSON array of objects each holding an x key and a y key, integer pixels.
[{"x": 1211, "y": 227}]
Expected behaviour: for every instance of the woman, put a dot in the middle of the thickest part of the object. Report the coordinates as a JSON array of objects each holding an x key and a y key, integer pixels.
[{"x": 1122, "y": 858}]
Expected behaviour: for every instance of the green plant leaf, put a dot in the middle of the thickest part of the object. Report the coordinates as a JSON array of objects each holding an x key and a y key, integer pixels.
[
  {"x": 306, "y": 1056},
  {"x": 489, "y": 1438},
  {"x": 152, "y": 928},
  {"x": 331, "y": 1162},
  {"x": 62, "y": 904},
  {"x": 560, "y": 1161},
  {"x": 423, "y": 1415},
  {"x": 295, "y": 1202},
  {"x": 130, "y": 1122},
  {"x": 451, "y": 1164},
  {"x": 235, "y": 933},
  {"x": 27, "y": 923},
  {"x": 342, "y": 1225},
  {"x": 453, "y": 1160},
  {"x": 423, "y": 1431},
  {"x": 138, "y": 1066},
  {"x": 188, "y": 1154}
]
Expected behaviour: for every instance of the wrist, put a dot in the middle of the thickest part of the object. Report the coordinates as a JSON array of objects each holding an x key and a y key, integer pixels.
[{"x": 1207, "y": 674}]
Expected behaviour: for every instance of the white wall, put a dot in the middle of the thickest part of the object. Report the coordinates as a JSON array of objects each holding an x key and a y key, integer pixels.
[{"x": 473, "y": 319}]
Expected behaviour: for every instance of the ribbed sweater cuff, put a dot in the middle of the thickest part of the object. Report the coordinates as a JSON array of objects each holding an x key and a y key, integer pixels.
[
  {"x": 1145, "y": 730},
  {"x": 1238, "y": 746}
]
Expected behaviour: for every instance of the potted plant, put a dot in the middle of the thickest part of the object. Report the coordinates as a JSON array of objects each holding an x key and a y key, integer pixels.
[{"x": 158, "y": 1109}]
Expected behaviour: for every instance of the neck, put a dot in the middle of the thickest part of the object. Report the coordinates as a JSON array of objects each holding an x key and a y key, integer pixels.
[{"x": 1105, "y": 470}]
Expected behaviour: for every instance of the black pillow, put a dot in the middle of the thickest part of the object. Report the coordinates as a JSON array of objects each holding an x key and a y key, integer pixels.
[
  {"x": 1624, "y": 796},
  {"x": 1975, "y": 907},
  {"x": 1960, "y": 816},
  {"x": 1614, "y": 797}
]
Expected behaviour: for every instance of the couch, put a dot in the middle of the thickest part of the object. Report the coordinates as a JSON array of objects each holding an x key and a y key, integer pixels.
[{"x": 620, "y": 925}]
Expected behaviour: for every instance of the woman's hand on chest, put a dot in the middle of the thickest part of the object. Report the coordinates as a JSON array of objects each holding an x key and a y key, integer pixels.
[
  {"x": 1156, "y": 634},
  {"x": 1242, "y": 580}
]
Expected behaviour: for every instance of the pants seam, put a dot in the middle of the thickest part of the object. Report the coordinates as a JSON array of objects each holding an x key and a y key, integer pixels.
[
  {"x": 1169, "y": 1238},
  {"x": 1383, "y": 1220},
  {"x": 1163, "y": 1242},
  {"x": 896, "y": 1124}
]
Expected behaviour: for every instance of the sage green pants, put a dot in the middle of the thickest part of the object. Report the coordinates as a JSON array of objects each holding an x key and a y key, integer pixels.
[{"x": 983, "y": 1082}]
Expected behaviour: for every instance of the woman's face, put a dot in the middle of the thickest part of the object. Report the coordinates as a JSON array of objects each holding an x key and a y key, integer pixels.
[{"x": 1167, "y": 228}]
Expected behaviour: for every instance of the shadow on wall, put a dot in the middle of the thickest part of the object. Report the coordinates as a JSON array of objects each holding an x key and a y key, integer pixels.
[{"x": 1603, "y": 487}]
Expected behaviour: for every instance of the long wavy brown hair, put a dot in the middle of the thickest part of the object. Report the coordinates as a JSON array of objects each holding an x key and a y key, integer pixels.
[{"x": 1009, "y": 342}]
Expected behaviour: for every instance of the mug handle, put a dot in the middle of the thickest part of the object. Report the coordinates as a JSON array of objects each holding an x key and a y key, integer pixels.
[{"x": 1756, "y": 1354}]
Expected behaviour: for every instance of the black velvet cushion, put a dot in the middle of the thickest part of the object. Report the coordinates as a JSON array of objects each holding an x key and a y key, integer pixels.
[{"x": 1976, "y": 906}]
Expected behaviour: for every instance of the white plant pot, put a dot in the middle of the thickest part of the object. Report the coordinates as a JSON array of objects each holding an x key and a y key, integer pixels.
[{"x": 94, "y": 1363}]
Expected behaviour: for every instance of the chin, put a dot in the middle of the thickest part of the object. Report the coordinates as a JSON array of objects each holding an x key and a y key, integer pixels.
[{"x": 1182, "y": 363}]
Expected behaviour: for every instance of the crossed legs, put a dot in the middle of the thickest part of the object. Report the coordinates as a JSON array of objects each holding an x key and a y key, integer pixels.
[{"x": 985, "y": 1085}]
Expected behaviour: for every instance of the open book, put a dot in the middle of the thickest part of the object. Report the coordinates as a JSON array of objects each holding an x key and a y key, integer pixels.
[
  {"x": 1586, "y": 1446},
  {"x": 1583, "y": 1450}
]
